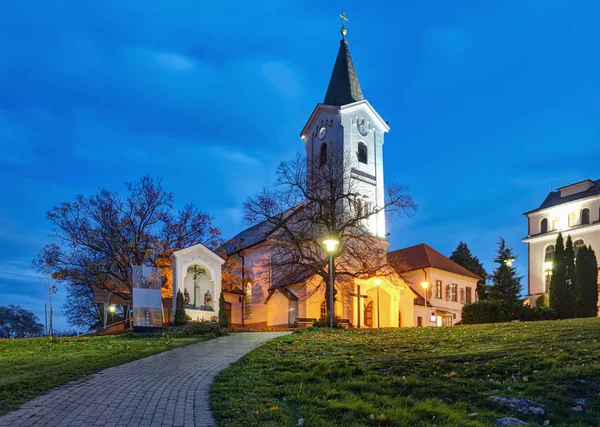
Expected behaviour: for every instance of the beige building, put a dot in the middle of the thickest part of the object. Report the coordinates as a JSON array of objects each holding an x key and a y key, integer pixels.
[
  {"x": 573, "y": 210},
  {"x": 450, "y": 285}
]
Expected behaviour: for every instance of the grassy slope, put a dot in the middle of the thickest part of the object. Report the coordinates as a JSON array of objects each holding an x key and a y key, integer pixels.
[
  {"x": 30, "y": 367},
  {"x": 417, "y": 376}
]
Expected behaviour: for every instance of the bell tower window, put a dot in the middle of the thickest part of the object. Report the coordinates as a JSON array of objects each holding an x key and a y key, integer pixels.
[
  {"x": 362, "y": 152},
  {"x": 323, "y": 156}
]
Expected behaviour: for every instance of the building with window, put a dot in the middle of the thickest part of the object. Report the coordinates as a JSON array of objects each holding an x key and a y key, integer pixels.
[
  {"x": 573, "y": 210},
  {"x": 450, "y": 285}
]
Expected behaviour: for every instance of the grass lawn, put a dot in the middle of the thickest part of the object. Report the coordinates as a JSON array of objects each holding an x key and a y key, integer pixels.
[
  {"x": 416, "y": 376},
  {"x": 30, "y": 367}
]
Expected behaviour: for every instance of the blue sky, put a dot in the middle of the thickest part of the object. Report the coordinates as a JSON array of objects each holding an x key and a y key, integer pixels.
[{"x": 491, "y": 105}]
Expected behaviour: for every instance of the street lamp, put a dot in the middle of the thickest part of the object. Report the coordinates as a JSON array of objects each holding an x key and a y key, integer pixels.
[
  {"x": 331, "y": 243},
  {"x": 377, "y": 283},
  {"x": 425, "y": 285}
]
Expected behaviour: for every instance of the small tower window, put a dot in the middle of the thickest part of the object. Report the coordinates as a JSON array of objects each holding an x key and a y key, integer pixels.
[
  {"x": 362, "y": 152},
  {"x": 323, "y": 157},
  {"x": 585, "y": 216},
  {"x": 544, "y": 226},
  {"x": 549, "y": 256}
]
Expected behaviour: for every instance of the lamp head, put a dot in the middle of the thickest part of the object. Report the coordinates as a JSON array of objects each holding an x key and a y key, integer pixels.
[
  {"x": 425, "y": 284},
  {"x": 548, "y": 265},
  {"x": 377, "y": 282},
  {"x": 112, "y": 308},
  {"x": 331, "y": 244}
]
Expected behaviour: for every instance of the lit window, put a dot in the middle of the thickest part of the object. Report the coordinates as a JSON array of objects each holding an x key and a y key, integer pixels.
[
  {"x": 419, "y": 321},
  {"x": 556, "y": 223},
  {"x": 549, "y": 256},
  {"x": 544, "y": 226},
  {"x": 548, "y": 279},
  {"x": 469, "y": 295},
  {"x": 572, "y": 219},
  {"x": 578, "y": 244},
  {"x": 585, "y": 216},
  {"x": 323, "y": 309},
  {"x": 323, "y": 158},
  {"x": 438, "y": 289},
  {"x": 248, "y": 300},
  {"x": 362, "y": 152},
  {"x": 453, "y": 292}
]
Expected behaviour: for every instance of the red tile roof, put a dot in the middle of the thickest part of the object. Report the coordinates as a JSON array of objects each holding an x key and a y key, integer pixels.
[{"x": 423, "y": 256}]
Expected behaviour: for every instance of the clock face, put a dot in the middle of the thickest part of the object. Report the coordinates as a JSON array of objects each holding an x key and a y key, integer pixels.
[
  {"x": 363, "y": 130},
  {"x": 322, "y": 133}
]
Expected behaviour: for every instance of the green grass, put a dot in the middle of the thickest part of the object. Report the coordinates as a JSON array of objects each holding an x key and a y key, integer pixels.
[
  {"x": 30, "y": 367},
  {"x": 415, "y": 377}
]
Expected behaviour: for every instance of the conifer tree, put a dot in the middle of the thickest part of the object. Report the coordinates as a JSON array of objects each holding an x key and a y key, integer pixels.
[
  {"x": 180, "y": 316},
  {"x": 506, "y": 287},
  {"x": 570, "y": 279},
  {"x": 462, "y": 256},
  {"x": 223, "y": 319},
  {"x": 586, "y": 283},
  {"x": 558, "y": 283}
]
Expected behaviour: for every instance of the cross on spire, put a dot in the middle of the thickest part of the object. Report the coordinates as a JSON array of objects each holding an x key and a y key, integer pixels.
[{"x": 344, "y": 19}]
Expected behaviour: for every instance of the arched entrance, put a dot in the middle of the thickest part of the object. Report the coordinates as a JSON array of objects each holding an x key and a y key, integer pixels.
[{"x": 368, "y": 316}]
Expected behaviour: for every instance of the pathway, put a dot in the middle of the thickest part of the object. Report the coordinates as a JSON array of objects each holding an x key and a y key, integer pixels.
[{"x": 167, "y": 389}]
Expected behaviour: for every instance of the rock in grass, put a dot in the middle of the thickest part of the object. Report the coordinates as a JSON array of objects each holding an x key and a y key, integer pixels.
[
  {"x": 525, "y": 406},
  {"x": 506, "y": 422},
  {"x": 300, "y": 422}
]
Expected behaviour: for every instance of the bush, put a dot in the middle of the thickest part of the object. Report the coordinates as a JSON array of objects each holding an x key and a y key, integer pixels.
[
  {"x": 530, "y": 314},
  {"x": 201, "y": 328},
  {"x": 180, "y": 317},
  {"x": 542, "y": 301},
  {"x": 486, "y": 312},
  {"x": 323, "y": 322}
]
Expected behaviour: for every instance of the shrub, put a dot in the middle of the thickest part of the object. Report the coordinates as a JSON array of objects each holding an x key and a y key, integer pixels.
[
  {"x": 180, "y": 316},
  {"x": 536, "y": 313},
  {"x": 201, "y": 328},
  {"x": 223, "y": 320},
  {"x": 323, "y": 322},
  {"x": 542, "y": 301},
  {"x": 486, "y": 312}
]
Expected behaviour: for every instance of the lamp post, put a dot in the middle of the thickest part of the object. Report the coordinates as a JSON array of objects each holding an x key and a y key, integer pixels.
[
  {"x": 331, "y": 244},
  {"x": 377, "y": 283},
  {"x": 548, "y": 268},
  {"x": 425, "y": 285}
]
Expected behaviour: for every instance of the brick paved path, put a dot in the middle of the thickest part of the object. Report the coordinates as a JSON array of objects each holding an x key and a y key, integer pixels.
[{"x": 167, "y": 389}]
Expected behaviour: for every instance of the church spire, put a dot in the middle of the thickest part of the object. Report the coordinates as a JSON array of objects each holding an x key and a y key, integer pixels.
[{"x": 344, "y": 87}]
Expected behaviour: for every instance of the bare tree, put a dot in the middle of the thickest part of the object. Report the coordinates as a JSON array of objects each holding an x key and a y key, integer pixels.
[
  {"x": 304, "y": 207},
  {"x": 101, "y": 236}
]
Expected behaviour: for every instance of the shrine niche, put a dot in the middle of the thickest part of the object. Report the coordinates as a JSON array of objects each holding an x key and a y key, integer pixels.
[{"x": 197, "y": 275}]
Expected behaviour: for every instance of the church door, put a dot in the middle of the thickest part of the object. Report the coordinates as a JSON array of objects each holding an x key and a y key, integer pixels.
[
  {"x": 399, "y": 319},
  {"x": 369, "y": 314}
]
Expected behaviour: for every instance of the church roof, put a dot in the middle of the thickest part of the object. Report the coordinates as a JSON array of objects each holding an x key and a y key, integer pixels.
[
  {"x": 422, "y": 256},
  {"x": 554, "y": 197},
  {"x": 344, "y": 87}
]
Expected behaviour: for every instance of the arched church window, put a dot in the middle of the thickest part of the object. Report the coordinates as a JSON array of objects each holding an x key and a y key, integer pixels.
[
  {"x": 323, "y": 309},
  {"x": 248, "y": 307},
  {"x": 544, "y": 226},
  {"x": 362, "y": 152},
  {"x": 549, "y": 256},
  {"x": 323, "y": 156},
  {"x": 577, "y": 245},
  {"x": 585, "y": 216}
]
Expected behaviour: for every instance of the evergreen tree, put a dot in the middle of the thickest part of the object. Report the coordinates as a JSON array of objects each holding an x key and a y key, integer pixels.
[
  {"x": 558, "y": 282},
  {"x": 462, "y": 256},
  {"x": 586, "y": 283},
  {"x": 223, "y": 319},
  {"x": 506, "y": 284},
  {"x": 570, "y": 278},
  {"x": 180, "y": 316}
]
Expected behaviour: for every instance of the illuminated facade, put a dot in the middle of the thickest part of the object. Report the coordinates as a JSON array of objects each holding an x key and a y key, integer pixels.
[{"x": 573, "y": 210}]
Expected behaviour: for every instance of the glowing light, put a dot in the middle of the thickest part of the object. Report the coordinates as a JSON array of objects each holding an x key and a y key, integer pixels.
[
  {"x": 112, "y": 308},
  {"x": 425, "y": 284},
  {"x": 548, "y": 265},
  {"x": 331, "y": 244},
  {"x": 377, "y": 282}
]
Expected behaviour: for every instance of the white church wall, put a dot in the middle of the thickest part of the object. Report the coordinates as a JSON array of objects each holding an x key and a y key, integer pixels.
[{"x": 277, "y": 310}]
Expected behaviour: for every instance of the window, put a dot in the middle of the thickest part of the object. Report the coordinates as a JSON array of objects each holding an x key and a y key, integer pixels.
[
  {"x": 323, "y": 309},
  {"x": 362, "y": 152},
  {"x": 369, "y": 314},
  {"x": 555, "y": 223},
  {"x": 454, "y": 292},
  {"x": 323, "y": 157},
  {"x": 438, "y": 289},
  {"x": 359, "y": 206},
  {"x": 578, "y": 244},
  {"x": 248, "y": 311},
  {"x": 572, "y": 219},
  {"x": 419, "y": 321},
  {"x": 549, "y": 256},
  {"x": 585, "y": 216},
  {"x": 544, "y": 226},
  {"x": 469, "y": 298},
  {"x": 548, "y": 278}
]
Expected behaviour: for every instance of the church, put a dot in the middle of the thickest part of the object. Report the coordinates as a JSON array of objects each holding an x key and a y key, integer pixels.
[{"x": 422, "y": 287}]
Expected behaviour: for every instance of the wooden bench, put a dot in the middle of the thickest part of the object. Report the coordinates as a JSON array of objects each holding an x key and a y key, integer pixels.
[{"x": 303, "y": 322}]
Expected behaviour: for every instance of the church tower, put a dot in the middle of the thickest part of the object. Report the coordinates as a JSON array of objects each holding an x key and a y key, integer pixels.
[{"x": 345, "y": 124}]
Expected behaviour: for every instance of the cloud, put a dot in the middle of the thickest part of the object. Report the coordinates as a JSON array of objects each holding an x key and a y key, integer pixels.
[{"x": 17, "y": 270}]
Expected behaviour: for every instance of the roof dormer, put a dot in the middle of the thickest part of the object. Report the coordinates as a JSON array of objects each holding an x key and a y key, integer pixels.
[{"x": 578, "y": 187}]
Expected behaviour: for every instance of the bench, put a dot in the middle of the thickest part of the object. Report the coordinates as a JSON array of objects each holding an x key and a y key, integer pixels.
[{"x": 303, "y": 322}]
